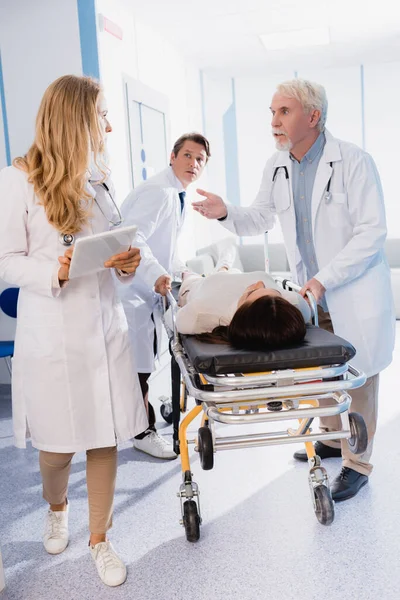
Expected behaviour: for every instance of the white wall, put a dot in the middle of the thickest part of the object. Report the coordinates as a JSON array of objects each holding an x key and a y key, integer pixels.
[
  {"x": 3, "y": 158},
  {"x": 255, "y": 144},
  {"x": 359, "y": 109},
  {"x": 217, "y": 100},
  {"x": 344, "y": 91},
  {"x": 382, "y": 132},
  {"x": 143, "y": 55},
  {"x": 39, "y": 42},
  {"x": 218, "y": 97}
]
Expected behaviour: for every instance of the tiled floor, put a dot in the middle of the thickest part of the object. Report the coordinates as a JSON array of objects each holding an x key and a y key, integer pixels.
[{"x": 259, "y": 538}]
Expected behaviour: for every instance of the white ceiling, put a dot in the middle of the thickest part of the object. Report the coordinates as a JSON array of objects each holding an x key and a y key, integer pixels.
[{"x": 224, "y": 34}]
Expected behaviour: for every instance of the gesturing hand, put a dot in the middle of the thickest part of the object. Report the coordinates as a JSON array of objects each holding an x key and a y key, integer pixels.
[
  {"x": 213, "y": 207},
  {"x": 126, "y": 261},
  {"x": 163, "y": 285}
]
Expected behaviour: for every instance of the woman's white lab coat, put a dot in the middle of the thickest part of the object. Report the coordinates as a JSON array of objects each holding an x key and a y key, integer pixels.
[
  {"x": 155, "y": 208},
  {"x": 349, "y": 230},
  {"x": 74, "y": 384}
]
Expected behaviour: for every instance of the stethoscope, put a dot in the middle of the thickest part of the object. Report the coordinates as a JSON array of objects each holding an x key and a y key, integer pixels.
[
  {"x": 327, "y": 194},
  {"x": 67, "y": 239}
]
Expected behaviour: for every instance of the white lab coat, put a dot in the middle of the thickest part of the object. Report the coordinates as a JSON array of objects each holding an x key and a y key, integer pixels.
[
  {"x": 349, "y": 230},
  {"x": 155, "y": 208},
  {"x": 74, "y": 384}
]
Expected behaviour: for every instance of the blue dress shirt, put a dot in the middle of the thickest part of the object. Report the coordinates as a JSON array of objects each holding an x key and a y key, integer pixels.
[{"x": 303, "y": 178}]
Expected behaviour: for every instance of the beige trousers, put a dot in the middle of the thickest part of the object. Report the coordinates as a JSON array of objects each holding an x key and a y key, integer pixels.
[
  {"x": 364, "y": 400},
  {"x": 101, "y": 473}
]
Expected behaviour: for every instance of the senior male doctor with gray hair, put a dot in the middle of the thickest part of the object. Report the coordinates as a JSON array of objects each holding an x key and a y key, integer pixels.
[{"x": 328, "y": 198}]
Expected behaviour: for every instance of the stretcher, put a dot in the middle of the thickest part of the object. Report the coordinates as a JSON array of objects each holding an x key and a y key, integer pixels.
[{"x": 230, "y": 386}]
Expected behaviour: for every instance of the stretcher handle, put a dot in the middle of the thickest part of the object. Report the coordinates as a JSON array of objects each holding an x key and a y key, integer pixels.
[
  {"x": 286, "y": 283},
  {"x": 169, "y": 300}
]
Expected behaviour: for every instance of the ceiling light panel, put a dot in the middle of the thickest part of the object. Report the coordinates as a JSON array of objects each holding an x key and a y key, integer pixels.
[{"x": 300, "y": 38}]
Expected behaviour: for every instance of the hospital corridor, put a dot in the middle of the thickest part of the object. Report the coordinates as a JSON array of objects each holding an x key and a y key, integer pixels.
[{"x": 199, "y": 300}]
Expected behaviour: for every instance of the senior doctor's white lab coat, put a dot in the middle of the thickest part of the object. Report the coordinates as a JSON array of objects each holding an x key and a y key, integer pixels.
[
  {"x": 74, "y": 383},
  {"x": 349, "y": 230},
  {"x": 154, "y": 206}
]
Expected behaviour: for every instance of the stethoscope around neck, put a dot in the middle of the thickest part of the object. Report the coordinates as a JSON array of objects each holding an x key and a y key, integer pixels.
[
  {"x": 68, "y": 239},
  {"x": 327, "y": 193}
]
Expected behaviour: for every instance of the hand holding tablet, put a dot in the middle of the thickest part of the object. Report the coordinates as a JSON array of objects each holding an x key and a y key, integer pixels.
[
  {"x": 127, "y": 261},
  {"x": 111, "y": 249}
]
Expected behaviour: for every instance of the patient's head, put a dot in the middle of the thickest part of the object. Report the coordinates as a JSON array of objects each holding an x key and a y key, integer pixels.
[
  {"x": 255, "y": 291},
  {"x": 265, "y": 322}
]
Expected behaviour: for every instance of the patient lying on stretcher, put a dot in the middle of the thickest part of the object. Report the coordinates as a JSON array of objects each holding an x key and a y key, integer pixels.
[{"x": 246, "y": 310}]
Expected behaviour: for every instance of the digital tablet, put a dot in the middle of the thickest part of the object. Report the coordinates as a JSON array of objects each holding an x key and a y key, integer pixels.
[{"x": 91, "y": 252}]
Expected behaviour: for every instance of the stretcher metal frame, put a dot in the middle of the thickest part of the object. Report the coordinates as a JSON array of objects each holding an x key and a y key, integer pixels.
[{"x": 288, "y": 394}]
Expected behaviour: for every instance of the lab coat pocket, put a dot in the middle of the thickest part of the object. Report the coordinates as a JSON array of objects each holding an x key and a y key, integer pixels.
[
  {"x": 337, "y": 209},
  {"x": 42, "y": 342},
  {"x": 338, "y": 198},
  {"x": 282, "y": 204},
  {"x": 371, "y": 291}
]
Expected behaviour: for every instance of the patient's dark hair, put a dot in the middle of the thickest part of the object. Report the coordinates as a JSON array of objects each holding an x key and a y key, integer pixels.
[{"x": 270, "y": 322}]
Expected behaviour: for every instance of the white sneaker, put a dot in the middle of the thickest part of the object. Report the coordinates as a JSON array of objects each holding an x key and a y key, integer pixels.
[
  {"x": 55, "y": 538},
  {"x": 109, "y": 566},
  {"x": 155, "y": 445}
]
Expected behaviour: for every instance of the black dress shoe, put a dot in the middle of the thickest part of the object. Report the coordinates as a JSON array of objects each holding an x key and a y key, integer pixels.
[
  {"x": 347, "y": 484},
  {"x": 321, "y": 449}
]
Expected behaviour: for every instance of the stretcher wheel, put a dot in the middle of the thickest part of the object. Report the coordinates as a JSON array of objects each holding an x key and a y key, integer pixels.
[
  {"x": 191, "y": 521},
  {"x": 358, "y": 441},
  {"x": 205, "y": 448},
  {"x": 275, "y": 406},
  {"x": 166, "y": 412},
  {"x": 324, "y": 507}
]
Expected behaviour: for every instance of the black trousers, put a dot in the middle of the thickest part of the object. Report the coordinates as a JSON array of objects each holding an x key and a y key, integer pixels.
[
  {"x": 143, "y": 377},
  {"x": 144, "y": 386}
]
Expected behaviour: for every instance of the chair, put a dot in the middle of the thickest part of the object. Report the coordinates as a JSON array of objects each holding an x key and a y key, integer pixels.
[{"x": 8, "y": 305}]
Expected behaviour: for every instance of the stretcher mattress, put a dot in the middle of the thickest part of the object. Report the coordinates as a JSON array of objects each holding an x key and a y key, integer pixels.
[{"x": 319, "y": 348}]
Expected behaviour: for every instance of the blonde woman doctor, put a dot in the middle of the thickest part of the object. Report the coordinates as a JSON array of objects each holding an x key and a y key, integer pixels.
[{"x": 74, "y": 385}]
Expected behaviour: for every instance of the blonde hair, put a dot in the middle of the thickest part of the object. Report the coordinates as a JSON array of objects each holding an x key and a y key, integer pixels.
[
  {"x": 67, "y": 130},
  {"x": 312, "y": 96}
]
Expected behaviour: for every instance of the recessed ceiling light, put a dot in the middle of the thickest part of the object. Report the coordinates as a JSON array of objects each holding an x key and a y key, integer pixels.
[{"x": 300, "y": 38}]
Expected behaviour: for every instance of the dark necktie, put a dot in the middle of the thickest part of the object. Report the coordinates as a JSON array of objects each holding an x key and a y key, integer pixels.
[{"x": 182, "y": 199}]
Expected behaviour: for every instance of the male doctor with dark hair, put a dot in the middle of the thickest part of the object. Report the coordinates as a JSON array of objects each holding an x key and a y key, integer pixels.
[{"x": 158, "y": 208}]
